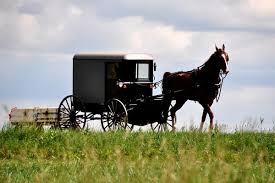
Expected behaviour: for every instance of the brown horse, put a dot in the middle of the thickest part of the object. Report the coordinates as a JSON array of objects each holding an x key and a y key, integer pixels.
[{"x": 200, "y": 85}]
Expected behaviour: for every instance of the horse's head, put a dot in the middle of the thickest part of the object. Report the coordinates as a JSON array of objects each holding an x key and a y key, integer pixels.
[{"x": 222, "y": 58}]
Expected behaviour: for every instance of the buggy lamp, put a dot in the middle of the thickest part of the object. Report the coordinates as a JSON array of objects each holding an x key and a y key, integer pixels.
[{"x": 120, "y": 84}]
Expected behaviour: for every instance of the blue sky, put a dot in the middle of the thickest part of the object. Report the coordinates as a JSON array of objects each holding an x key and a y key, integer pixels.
[{"x": 39, "y": 38}]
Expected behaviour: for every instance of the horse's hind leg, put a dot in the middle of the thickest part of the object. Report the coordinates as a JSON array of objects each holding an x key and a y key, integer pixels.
[
  {"x": 203, "y": 119},
  {"x": 211, "y": 115},
  {"x": 174, "y": 109},
  {"x": 166, "y": 104}
]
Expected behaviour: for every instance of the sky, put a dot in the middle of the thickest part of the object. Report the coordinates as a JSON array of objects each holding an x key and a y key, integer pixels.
[{"x": 39, "y": 38}]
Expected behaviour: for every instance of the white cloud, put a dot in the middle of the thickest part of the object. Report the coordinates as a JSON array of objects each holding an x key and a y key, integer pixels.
[
  {"x": 152, "y": 36},
  {"x": 198, "y": 15},
  {"x": 262, "y": 8},
  {"x": 77, "y": 28},
  {"x": 75, "y": 11}
]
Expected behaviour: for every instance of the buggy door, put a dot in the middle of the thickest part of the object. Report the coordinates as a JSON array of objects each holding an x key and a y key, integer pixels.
[{"x": 112, "y": 76}]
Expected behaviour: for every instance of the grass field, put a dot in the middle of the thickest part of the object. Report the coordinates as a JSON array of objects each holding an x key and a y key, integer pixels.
[{"x": 31, "y": 155}]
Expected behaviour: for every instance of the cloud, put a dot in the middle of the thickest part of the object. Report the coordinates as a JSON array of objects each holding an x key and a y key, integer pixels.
[
  {"x": 39, "y": 27},
  {"x": 263, "y": 8},
  {"x": 31, "y": 7},
  {"x": 33, "y": 25},
  {"x": 198, "y": 15},
  {"x": 42, "y": 50}
]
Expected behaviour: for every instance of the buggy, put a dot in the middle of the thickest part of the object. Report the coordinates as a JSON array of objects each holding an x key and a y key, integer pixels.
[{"x": 116, "y": 89}]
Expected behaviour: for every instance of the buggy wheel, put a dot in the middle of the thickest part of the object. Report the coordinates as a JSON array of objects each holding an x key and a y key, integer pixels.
[
  {"x": 115, "y": 117},
  {"x": 165, "y": 125},
  {"x": 71, "y": 113}
]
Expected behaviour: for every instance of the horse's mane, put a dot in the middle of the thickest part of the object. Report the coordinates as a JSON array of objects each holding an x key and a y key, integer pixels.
[{"x": 210, "y": 59}]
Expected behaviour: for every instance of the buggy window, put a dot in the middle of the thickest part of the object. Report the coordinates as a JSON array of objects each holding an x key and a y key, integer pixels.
[{"x": 142, "y": 71}]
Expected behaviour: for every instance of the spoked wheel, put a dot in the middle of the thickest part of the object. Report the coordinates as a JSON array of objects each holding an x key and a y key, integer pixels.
[
  {"x": 165, "y": 125},
  {"x": 71, "y": 113},
  {"x": 115, "y": 117}
]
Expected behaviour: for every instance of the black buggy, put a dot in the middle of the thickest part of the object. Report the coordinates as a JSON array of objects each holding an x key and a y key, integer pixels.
[{"x": 116, "y": 89}]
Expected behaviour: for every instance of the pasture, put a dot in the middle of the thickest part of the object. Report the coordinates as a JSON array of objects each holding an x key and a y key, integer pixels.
[{"x": 29, "y": 154}]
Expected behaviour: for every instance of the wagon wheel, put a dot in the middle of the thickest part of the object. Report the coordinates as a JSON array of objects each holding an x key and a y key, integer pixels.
[
  {"x": 115, "y": 117},
  {"x": 167, "y": 125},
  {"x": 70, "y": 116}
]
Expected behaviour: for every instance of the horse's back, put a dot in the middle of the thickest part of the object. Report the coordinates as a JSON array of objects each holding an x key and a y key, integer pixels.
[
  {"x": 166, "y": 74},
  {"x": 176, "y": 81}
]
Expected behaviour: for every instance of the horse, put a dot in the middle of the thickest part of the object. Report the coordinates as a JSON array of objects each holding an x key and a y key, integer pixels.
[{"x": 201, "y": 85}]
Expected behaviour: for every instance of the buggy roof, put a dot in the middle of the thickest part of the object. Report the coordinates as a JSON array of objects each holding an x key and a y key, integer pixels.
[{"x": 109, "y": 56}]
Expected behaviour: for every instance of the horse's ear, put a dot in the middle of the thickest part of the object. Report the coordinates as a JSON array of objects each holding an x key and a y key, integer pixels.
[
  {"x": 216, "y": 47},
  {"x": 223, "y": 47}
]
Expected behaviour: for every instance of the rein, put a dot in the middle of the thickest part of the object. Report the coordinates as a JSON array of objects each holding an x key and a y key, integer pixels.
[
  {"x": 156, "y": 84},
  {"x": 222, "y": 76}
]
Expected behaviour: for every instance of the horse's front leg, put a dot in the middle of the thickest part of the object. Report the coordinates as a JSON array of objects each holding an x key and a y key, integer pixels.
[
  {"x": 166, "y": 104},
  {"x": 210, "y": 113}
]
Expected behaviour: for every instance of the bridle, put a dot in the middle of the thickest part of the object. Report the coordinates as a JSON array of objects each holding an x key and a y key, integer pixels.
[
  {"x": 222, "y": 75},
  {"x": 225, "y": 57}
]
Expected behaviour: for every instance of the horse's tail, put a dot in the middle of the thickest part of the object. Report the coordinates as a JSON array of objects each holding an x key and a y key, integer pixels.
[{"x": 165, "y": 86}]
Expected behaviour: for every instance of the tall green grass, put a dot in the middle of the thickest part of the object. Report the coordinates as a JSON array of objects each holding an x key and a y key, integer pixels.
[{"x": 32, "y": 155}]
